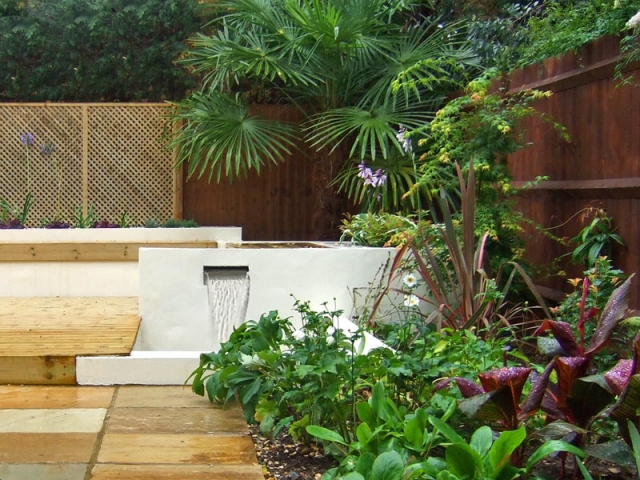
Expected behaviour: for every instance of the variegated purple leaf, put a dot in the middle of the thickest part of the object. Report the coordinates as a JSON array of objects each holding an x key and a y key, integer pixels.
[
  {"x": 440, "y": 384},
  {"x": 468, "y": 388},
  {"x": 539, "y": 383},
  {"x": 618, "y": 377},
  {"x": 513, "y": 377},
  {"x": 550, "y": 404},
  {"x": 569, "y": 369},
  {"x": 562, "y": 333},
  {"x": 611, "y": 315}
]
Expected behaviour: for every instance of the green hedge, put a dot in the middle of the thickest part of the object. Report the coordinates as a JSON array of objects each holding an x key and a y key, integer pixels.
[{"x": 95, "y": 50}]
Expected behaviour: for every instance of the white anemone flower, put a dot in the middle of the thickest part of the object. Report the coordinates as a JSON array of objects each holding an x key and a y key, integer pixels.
[
  {"x": 634, "y": 21},
  {"x": 331, "y": 331},
  {"x": 331, "y": 340},
  {"x": 298, "y": 335},
  {"x": 410, "y": 280},
  {"x": 411, "y": 301}
]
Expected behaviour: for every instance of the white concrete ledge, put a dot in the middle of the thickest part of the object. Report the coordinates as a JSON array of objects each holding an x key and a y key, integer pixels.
[
  {"x": 140, "y": 368},
  {"x": 133, "y": 235}
]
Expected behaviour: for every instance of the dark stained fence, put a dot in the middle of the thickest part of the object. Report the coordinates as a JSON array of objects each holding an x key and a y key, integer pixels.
[
  {"x": 277, "y": 204},
  {"x": 599, "y": 167}
]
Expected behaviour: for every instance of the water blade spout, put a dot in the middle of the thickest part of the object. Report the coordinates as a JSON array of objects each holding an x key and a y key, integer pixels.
[{"x": 228, "y": 291}]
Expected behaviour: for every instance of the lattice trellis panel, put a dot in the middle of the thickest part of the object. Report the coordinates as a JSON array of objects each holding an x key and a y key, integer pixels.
[
  {"x": 60, "y": 126},
  {"x": 127, "y": 168},
  {"x": 129, "y": 171}
]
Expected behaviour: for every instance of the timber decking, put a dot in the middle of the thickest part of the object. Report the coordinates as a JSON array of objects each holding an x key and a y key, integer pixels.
[
  {"x": 41, "y": 337},
  {"x": 86, "y": 252},
  {"x": 63, "y": 326}
]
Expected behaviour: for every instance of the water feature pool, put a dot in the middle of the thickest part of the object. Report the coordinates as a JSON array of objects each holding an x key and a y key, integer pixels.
[{"x": 176, "y": 306}]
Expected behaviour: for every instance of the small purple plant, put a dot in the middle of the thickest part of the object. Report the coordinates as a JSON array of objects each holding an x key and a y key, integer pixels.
[
  {"x": 375, "y": 179},
  {"x": 105, "y": 224},
  {"x": 57, "y": 224},
  {"x": 13, "y": 224}
]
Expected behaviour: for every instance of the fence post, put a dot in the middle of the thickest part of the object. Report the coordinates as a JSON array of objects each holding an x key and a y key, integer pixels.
[
  {"x": 178, "y": 180},
  {"x": 85, "y": 160}
]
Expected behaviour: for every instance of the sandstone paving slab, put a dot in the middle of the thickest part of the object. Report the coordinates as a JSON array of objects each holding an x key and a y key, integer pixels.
[
  {"x": 35, "y": 420},
  {"x": 176, "y": 472},
  {"x": 177, "y": 449},
  {"x": 17, "y": 448},
  {"x": 159, "y": 396},
  {"x": 37, "y": 396},
  {"x": 62, "y": 471},
  {"x": 177, "y": 420}
]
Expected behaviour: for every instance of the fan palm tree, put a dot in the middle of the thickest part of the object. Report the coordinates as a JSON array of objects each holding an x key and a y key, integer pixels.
[{"x": 360, "y": 70}]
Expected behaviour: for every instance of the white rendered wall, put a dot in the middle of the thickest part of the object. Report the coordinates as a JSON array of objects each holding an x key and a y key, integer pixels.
[
  {"x": 174, "y": 303},
  {"x": 69, "y": 279}
]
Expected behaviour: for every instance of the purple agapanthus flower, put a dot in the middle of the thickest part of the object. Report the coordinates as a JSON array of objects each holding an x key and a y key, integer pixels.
[
  {"x": 378, "y": 178},
  {"x": 47, "y": 148},
  {"x": 404, "y": 139},
  {"x": 375, "y": 179},
  {"x": 26, "y": 138},
  {"x": 363, "y": 171}
]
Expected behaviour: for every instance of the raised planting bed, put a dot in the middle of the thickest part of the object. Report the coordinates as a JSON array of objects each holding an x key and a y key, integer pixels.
[{"x": 90, "y": 262}]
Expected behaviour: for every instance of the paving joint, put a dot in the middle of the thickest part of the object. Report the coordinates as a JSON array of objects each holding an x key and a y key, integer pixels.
[{"x": 98, "y": 443}]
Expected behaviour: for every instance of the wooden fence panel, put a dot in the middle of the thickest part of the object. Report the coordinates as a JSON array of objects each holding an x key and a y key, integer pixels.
[
  {"x": 277, "y": 204},
  {"x": 599, "y": 167},
  {"x": 111, "y": 158}
]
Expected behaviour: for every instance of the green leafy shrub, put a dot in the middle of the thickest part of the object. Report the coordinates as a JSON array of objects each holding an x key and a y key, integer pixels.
[
  {"x": 496, "y": 38},
  {"x": 103, "y": 50},
  {"x": 595, "y": 240},
  {"x": 383, "y": 427},
  {"x": 602, "y": 280},
  {"x": 380, "y": 229},
  {"x": 566, "y": 26},
  {"x": 394, "y": 444},
  {"x": 179, "y": 223},
  {"x": 151, "y": 223},
  {"x": 316, "y": 375},
  {"x": 481, "y": 126},
  {"x": 309, "y": 377}
]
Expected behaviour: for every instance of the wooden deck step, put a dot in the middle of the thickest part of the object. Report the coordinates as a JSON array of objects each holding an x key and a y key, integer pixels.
[
  {"x": 41, "y": 337},
  {"x": 63, "y": 326}
]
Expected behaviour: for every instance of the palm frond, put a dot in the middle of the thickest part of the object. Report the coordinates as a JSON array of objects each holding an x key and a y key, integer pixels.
[
  {"x": 227, "y": 56},
  {"x": 371, "y": 131},
  {"x": 217, "y": 133},
  {"x": 422, "y": 62}
]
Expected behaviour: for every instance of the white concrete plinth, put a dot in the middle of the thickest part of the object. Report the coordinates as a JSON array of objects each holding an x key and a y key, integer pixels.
[{"x": 140, "y": 368}]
